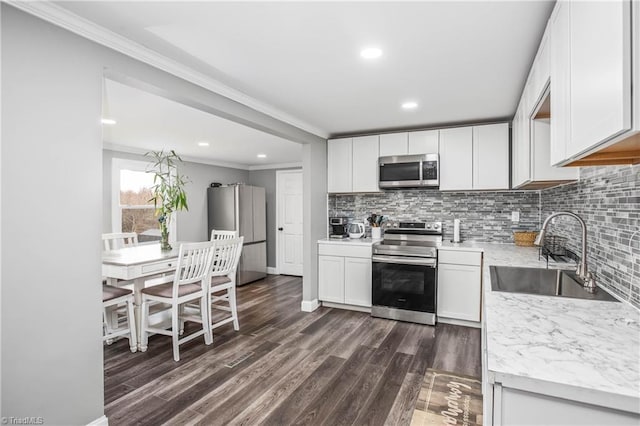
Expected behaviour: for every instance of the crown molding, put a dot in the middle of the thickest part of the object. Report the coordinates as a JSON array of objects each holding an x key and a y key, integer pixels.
[
  {"x": 63, "y": 18},
  {"x": 276, "y": 166}
]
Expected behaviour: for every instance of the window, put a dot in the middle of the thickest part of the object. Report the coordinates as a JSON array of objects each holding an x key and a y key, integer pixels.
[{"x": 132, "y": 210}]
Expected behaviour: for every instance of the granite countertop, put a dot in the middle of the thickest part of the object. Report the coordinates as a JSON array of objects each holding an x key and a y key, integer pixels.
[
  {"x": 350, "y": 241},
  {"x": 581, "y": 350}
]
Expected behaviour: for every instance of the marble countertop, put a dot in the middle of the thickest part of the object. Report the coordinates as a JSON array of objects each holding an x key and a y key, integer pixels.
[
  {"x": 581, "y": 350},
  {"x": 350, "y": 241}
]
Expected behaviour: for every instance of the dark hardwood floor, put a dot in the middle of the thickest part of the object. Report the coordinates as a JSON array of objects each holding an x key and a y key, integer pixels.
[{"x": 284, "y": 367}]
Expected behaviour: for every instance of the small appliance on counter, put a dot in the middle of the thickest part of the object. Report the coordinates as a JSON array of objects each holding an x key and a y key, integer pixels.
[
  {"x": 356, "y": 230},
  {"x": 339, "y": 227}
]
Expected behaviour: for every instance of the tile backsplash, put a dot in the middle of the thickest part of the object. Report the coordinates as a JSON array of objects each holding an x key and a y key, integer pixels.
[
  {"x": 484, "y": 216},
  {"x": 608, "y": 200}
]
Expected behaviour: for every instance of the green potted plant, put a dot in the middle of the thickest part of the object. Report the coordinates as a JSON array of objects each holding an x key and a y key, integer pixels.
[{"x": 168, "y": 190}]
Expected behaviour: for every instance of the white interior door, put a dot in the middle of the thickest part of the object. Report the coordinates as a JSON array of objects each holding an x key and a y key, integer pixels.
[{"x": 289, "y": 220}]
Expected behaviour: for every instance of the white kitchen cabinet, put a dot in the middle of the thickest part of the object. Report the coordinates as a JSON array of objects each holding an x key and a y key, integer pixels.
[
  {"x": 456, "y": 159},
  {"x": 459, "y": 285},
  {"x": 344, "y": 274},
  {"x": 491, "y": 156},
  {"x": 521, "y": 148},
  {"x": 424, "y": 142},
  {"x": 394, "y": 144},
  {"x": 519, "y": 407},
  {"x": 592, "y": 118},
  {"x": 339, "y": 165},
  {"x": 331, "y": 278},
  {"x": 600, "y": 72},
  {"x": 560, "y": 84},
  {"x": 365, "y": 164},
  {"x": 357, "y": 281}
]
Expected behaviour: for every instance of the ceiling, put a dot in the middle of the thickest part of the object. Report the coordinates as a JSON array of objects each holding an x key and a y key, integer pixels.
[
  {"x": 461, "y": 61},
  {"x": 147, "y": 122}
]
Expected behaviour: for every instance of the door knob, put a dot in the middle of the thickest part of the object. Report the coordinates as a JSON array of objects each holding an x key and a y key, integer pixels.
[{"x": 280, "y": 229}]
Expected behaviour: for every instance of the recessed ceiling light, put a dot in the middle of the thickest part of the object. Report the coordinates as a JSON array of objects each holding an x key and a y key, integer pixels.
[
  {"x": 203, "y": 143},
  {"x": 262, "y": 155},
  {"x": 410, "y": 105},
  {"x": 371, "y": 53},
  {"x": 108, "y": 121}
]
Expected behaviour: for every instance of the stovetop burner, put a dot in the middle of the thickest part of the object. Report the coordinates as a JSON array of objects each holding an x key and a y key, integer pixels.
[{"x": 411, "y": 239}]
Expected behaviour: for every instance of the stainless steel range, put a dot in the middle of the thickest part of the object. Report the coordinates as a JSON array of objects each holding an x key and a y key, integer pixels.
[{"x": 404, "y": 279}]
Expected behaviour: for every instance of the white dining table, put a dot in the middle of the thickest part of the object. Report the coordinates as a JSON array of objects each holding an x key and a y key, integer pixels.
[{"x": 138, "y": 264}]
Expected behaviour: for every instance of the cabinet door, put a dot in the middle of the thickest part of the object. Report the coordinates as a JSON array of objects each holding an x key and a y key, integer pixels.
[
  {"x": 365, "y": 164},
  {"x": 540, "y": 71},
  {"x": 600, "y": 70},
  {"x": 259, "y": 214},
  {"x": 521, "y": 172},
  {"x": 339, "y": 165},
  {"x": 394, "y": 144},
  {"x": 331, "y": 279},
  {"x": 491, "y": 156},
  {"x": 560, "y": 107},
  {"x": 357, "y": 281},
  {"x": 424, "y": 142},
  {"x": 456, "y": 159},
  {"x": 459, "y": 292}
]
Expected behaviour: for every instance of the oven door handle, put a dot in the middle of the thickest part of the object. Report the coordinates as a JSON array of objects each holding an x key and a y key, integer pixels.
[{"x": 401, "y": 260}]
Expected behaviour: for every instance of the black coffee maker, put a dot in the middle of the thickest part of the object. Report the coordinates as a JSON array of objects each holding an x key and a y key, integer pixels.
[{"x": 339, "y": 227}]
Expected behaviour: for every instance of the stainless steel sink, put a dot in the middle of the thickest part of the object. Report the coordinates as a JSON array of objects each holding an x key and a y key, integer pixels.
[{"x": 548, "y": 282}]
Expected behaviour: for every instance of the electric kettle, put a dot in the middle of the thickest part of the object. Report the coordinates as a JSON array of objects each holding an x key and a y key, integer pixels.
[{"x": 356, "y": 230}]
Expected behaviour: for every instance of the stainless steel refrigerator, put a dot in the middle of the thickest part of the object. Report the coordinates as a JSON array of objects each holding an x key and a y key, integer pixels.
[{"x": 243, "y": 208}]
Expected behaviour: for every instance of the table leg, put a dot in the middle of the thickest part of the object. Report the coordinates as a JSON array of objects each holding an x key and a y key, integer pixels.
[{"x": 138, "y": 286}]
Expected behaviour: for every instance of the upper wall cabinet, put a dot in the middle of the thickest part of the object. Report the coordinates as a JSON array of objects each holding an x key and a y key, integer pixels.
[
  {"x": 424, "y": 142},
  {"x": 339, "y": 165},
  {"x": 491, "y": 156},
  {"x": 394, "y": 144},
  {"x": 592, "y": 75},
  {"x": 352, "y": 164},
  {"x": 456, "y": 159},
  {"x": 531, "y": 163},
  {"x": 474, "y": 157},
  {"x": 365, "y": 164}
]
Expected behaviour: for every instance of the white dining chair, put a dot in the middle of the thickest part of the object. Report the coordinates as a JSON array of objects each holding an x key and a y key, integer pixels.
[
  {"x": 189, "y": 284},
  {"x": 112, "y": 297},
  {"x": 118, "y": 240},
  {"x": 223, "y": 278},
  {"x": 223, "y": 235}
]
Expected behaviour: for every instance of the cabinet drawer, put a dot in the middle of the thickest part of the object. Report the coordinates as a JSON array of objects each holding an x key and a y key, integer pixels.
[
  {"x": 167, "y": 265},
  {"x": 455, "y": 257},
  {"x": 344, "y": 250}
]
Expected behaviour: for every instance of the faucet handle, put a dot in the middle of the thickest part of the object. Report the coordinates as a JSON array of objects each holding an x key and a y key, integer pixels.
[{"x": 589, "y": 283}]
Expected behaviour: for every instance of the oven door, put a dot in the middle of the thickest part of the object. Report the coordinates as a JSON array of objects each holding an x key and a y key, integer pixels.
[{"x": 407, "y": 283}]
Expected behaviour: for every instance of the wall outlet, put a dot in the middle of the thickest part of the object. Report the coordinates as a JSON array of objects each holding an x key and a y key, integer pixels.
[{"x": 515, "y": 216}]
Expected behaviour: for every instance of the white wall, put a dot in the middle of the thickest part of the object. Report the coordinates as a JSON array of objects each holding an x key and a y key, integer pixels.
[
  {"x": 314, "y": 177},
  {"x": 51, "y": 204},
  {"x": 51, "y": 218},
  {"x": 191, "y": 224}
]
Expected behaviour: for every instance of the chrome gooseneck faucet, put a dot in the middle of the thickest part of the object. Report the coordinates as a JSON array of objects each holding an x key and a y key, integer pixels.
[{"x": 588, "y": 281}]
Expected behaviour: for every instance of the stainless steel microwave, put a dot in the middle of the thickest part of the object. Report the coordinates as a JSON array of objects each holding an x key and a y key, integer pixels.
[{"x": 409, "y": 171}]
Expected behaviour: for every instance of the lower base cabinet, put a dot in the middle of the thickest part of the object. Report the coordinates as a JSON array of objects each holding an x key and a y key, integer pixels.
[
  {"x": 459, "y": 285},
  {"x": 345, "y": 277},
  {"x": 517, "y": 407}
]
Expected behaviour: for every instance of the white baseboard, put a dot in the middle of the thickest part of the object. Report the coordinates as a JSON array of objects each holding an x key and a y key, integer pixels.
[
  {"x": 101, "y": 421},
  {"x": 272, "y": 271},
  {"x": 310, "y": 305},
  {"x": 345, "y": 306},
  {"x": 463, "y": 323}
]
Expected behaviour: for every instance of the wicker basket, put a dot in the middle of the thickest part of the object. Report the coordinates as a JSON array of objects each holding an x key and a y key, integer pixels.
[{"x": 525, "y": 238}]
